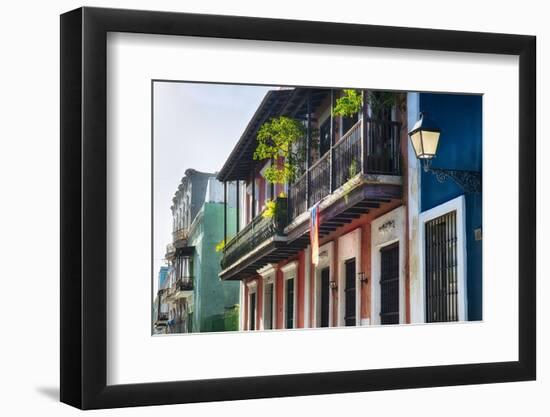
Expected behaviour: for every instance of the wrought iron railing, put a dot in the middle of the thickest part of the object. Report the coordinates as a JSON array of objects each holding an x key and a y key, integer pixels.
[
  {"x": 181, "y": 284},
  {"x": 319, "y": 180},
  {"x": 347, "y": 156},
  {"x": 257, "y": 231},
  {"x": 383, "y": 153},
  {"x": 297, "y": 202},
  {"x": 375, "y": 152},
  {"x": 184, "y": 284}
]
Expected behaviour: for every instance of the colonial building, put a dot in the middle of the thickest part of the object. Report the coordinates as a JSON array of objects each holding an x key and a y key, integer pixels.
[
  {"x": 445, "y": 212},
  {"x": 353, "y": 176},
  {"x": 160, "y": 305},
  {"x": 198, "y": 301},
  {"x": 396, "y": 243}
]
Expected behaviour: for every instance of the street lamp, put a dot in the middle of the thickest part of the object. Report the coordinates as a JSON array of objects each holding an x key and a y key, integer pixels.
[{"x": 425, "y": 140}]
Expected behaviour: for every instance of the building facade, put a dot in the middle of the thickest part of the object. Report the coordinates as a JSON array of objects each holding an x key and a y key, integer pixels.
[
  {"x": 214, "y": 302},
  {"x": 376, "y": 210},
  {"x": 160, "y": 304},
  {"x": 353, "y": 174},
  {"x": 446, "y": 221},
  {"x": 195, "y": 296}
]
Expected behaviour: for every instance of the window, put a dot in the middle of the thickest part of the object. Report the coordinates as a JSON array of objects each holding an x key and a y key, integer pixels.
[
  {"x": 290, "y": 271},
  {"x": 350, "y": 295},
  {"x": 252, "y": 311},
  {"x": 268, "y": 305},
  {"x": 289, "y": 303},
  {"x": 441, "y": 274},
  {"x": 389, "y": 284},
  {"x": 325, "y": 297}
]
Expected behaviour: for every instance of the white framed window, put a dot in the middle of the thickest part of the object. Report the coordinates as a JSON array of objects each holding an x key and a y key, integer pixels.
[
  {"x": 290, "y": 294},
  {"x": 269, "y": 297},
  {"x": 442, "y": 237},
  {"x": 388, "y": 268},
  {"x": 349, "y": 286},
  {"x": 322, "y": 293}
]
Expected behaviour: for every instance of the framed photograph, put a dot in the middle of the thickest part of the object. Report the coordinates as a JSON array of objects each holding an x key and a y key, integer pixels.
[{"x": 259, "y": 208}]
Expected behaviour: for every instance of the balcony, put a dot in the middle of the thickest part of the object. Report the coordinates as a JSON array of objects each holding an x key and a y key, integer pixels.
[
  {"x": 181, "y": 288},
  {"x": 184, "y": 284},
  {"x": 359, "y": 173},
  {"x": 179, "y": 235},
  {"x": 162, "y": 320},
  {"x": 370, "y": 150},
  {"x": 260, "y": 236},
  {"x": 170, "y": 250}
]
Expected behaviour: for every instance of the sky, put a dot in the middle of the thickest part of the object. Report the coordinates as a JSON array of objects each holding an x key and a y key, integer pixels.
[{"x": 195, "y": 125}]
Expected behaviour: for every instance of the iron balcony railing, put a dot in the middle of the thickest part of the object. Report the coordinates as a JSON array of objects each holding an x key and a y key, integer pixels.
[
  {"x": 181, "y": 284},
  {"x": 297, "y": 201},
  {"x": 255, "y": 233},
  {"x": 370, "y": 149},
  {"x": 162, "y": 317},
  {"x": 184, "y": 284}
]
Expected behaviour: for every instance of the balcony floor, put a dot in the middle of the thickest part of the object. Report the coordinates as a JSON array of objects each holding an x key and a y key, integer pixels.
[{"x": 357, "y": 197}]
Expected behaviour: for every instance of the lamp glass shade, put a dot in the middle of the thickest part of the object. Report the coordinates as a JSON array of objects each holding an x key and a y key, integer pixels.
[
  {"x": 416, "y": 141},
  {"x": 425, "y": 143}
]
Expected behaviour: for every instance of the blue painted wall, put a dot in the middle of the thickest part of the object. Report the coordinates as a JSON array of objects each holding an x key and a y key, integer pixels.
[
  {"x": 460, "y": 147},
  {"x": 163, "y": 274}
]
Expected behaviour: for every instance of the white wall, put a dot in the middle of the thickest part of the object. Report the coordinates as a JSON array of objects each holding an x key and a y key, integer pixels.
[{"x": 29, "y": 172}]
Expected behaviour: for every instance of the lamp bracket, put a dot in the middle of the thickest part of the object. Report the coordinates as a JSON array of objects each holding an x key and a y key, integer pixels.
[{"x": 469, "y": 181}]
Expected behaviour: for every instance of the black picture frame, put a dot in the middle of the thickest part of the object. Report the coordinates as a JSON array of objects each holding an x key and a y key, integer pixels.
[{"x": 84, "y": 207}]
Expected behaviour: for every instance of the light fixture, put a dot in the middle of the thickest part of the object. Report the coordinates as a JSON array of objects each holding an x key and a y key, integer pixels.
[
  {"x": 424, "y": 137},
  {"x": 363, "y": 277},
  {"x": 333, "y": 285}
]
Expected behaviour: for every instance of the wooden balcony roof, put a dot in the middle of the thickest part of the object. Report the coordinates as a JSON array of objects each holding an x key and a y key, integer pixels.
[{"x": 287, "y": 102}]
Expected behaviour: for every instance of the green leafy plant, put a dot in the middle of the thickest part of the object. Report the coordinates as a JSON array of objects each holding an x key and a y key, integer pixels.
[
  {"x": 220, "y": 246},
  {"x": 270, "y": 209},
  {"x": 349, "y": 104},
  {"x": 280, "y": 137},
  {"x": 381, "y": 101},
  {"x": 352, "y": 101}
]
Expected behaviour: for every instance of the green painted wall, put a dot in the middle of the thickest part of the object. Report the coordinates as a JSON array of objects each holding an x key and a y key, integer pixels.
[{"x": 214, "y": 300}]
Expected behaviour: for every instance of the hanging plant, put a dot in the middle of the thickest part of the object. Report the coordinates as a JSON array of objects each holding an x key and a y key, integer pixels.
[
  {"x": 277, "y": 138},
  {"x": 349, "y": 104},
  {"x": 381, "y": 101},
  {"x": 352, "y": 101}
]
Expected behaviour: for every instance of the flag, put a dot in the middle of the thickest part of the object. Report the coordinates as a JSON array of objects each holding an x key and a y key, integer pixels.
[{"x": 314, "y": 233}]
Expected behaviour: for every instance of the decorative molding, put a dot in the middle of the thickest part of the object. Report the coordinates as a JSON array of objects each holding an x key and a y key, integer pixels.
[
  {"x": 268, "y": 271},
  {"x": 289, "y": 267},
  {"x": 387, "y": 226}
]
